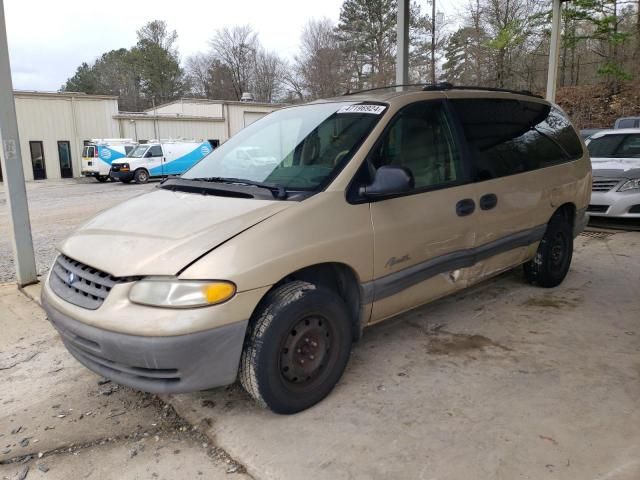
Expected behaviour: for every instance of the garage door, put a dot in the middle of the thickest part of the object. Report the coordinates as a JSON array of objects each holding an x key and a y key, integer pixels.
[{"x": 250, "y": 117}]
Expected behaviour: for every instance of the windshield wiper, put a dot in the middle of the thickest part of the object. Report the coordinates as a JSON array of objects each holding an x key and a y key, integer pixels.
[{"x": 278, "y": 191}]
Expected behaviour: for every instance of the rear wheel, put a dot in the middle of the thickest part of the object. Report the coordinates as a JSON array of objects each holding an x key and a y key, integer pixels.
[
  {"x": 102, "y": 178},
  {"x": 141, "y": 176},
  {"x": 552, "y": 261},
  {"x": 297, "y": 347}
]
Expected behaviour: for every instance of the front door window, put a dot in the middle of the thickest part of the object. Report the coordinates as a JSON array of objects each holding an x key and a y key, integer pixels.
[{"x": 421, "y": 140}]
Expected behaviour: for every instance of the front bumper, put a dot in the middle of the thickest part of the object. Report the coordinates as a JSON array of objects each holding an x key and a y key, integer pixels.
[
  {"x": 170, "y": 364},
  {"x": 615, "y": 204},
  {"x": 118, "y": 175}
]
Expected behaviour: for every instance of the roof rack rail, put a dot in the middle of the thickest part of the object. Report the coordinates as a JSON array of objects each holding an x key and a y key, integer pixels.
[
  {"x": 385, "y": 87},
  {"x": 441, "y": 86},
  {"x": 489, "y": 89}
]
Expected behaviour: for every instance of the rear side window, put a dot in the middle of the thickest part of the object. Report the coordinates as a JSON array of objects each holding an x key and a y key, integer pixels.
[
  {"x": 615, "y": 146},
  {"x": 507, "y": 137},
  {"x": 627, "y": 123}
]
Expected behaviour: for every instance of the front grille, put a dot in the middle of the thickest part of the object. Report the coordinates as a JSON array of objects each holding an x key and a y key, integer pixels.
[
  {"x": 604, "y": 184},
  {"x": 81, "y": 284},
  {"x": 597, "y": 208},
  {"x": 117, "y": 167}
]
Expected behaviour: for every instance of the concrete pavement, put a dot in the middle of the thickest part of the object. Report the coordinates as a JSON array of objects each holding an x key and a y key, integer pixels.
[
  {"x": 58, "y": 420},
  {"x": 504, "y": 381}
]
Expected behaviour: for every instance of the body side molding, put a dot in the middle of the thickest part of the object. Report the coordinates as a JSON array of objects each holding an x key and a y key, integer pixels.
[{"x": 393, "y": 283}]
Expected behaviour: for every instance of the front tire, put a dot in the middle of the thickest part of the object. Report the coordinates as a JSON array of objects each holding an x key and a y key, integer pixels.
[
  {"x": 297, "y": 347},
  {"x": 141, "y": 176},
  {"x": 552, "y": 261}
]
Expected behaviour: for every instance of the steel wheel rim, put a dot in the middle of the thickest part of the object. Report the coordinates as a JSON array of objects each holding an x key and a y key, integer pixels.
[
  {"x": 306, "y": 351},
  {"x": 558, "y": 249}
]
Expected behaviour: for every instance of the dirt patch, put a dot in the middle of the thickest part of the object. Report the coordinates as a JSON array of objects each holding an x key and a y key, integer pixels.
[
  {"x": 446, "y": 343},
  {"x": 442, "y": 342},
  {"x": 551, "y": 301}
]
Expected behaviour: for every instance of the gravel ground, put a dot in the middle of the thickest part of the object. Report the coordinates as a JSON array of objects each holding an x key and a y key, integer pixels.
[{"x": 56, "y": 207}]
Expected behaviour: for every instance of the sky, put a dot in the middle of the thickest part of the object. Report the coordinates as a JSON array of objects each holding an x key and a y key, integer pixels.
[{"x": 48, "y": 39}]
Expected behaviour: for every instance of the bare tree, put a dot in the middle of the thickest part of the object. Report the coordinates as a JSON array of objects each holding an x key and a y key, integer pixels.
[
  {"x": 268, "y": 75},
  {"x": 236, "y": 49},
  {"x": 318, "y": 65},
  {"x": 198, "y": 74}
]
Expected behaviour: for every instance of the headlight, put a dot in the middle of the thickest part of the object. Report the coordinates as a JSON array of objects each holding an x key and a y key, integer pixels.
[
  {"x": 174, "y": 293},
  {"x": 630, "y": 185}
]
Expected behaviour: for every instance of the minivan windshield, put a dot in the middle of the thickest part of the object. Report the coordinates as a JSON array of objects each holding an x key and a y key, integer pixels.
[
  {"x": 296, "y": 148},
  {"x": 138, "y": 152},
  {"x": 615, "y": 146}
]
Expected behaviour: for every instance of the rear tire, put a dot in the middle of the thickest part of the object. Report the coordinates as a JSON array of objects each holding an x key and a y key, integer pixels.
[
  {"x": 552, "y": 261},
  {"x": 102, "y": 178},
  {"x": 297, "y": 347},
  {"x": 141, "y": 176}
]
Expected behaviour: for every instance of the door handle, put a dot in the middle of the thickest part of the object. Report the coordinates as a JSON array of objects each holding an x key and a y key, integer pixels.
[
  {"x": 465, "y": 207},
  {"x": 488, "y": 201}
]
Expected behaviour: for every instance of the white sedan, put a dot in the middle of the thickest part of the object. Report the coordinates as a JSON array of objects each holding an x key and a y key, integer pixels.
[{"x": 615, "y": 158}]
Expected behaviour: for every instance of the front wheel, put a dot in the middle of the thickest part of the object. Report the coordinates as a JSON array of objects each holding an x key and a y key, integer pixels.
[
  {"x": 297, "y": 347},
  {"x": 141, "y": 176},
  {"x": 552, "y": 261}
]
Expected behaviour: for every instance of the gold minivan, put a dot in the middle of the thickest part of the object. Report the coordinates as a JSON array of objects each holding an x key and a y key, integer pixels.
[{"x": 266, "y": 260}]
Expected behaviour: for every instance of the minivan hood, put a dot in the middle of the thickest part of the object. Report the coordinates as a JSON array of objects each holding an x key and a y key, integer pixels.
[
  {"x": 616, "y": 167},
  {"x": 161, "y": 232}
]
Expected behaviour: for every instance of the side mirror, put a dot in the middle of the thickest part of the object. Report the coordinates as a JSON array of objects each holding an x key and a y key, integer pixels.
[{"x": 389, "y": 180}]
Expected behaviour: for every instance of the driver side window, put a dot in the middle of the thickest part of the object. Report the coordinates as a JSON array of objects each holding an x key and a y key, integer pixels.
[
  {"x": 155, "y": 151},
  {"x": 421, "y": 140}
]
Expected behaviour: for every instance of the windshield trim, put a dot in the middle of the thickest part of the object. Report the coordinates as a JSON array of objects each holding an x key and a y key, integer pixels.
[{"x": 233, "y": 190}]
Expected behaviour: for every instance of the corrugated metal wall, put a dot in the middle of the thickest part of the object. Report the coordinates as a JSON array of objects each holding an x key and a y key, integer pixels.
[
  {"x": 193, "y": 108},
  {"x": 50, "y": 119},
  {"x": 172, "y": 128},
  {"x": 237, "y": 112}
]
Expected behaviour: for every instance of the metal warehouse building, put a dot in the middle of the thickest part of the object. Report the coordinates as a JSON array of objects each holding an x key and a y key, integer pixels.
[{"x": 54, "y": 127}]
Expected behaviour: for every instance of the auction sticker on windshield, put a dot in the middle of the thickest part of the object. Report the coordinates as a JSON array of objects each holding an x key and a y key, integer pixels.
[{"x": 374, "y": 109}]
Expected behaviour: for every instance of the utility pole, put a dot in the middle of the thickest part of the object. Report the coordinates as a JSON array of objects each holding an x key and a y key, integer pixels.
[
  {"x": 433, "y": 41},
  {"x": 554, "y": 51},
  {"x": 11, "y": 158},
  {"x": 402, "y": 58}
]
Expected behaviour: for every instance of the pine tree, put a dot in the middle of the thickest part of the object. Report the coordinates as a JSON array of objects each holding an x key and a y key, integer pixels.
[{"x": 367, "y": 35}]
